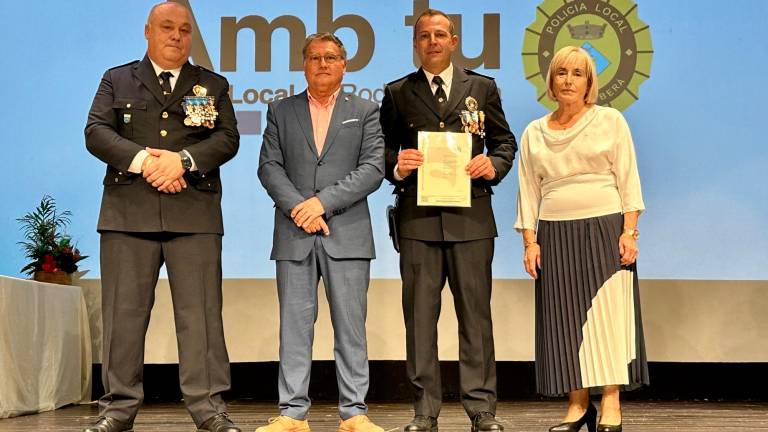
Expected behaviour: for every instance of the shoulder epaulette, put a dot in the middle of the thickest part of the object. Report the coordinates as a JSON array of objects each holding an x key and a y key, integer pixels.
[
  {"x": 471, "y": 72},
  {"x": 402, "y": 78},
  {"x": 210, "y": 71},
  {"x": 130, "y": 63}
]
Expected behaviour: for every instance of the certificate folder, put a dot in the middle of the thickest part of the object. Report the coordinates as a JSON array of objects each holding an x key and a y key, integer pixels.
[{"x": 442, "y": 179}]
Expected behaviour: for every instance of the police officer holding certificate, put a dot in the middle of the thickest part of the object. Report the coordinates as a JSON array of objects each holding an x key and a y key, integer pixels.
[{"x": 446, "y": 243}]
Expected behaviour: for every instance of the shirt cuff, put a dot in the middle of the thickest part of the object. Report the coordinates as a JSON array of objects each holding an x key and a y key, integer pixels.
[
  {"x": 397, "y": 176},
  {"x": 138, "y": 161}
]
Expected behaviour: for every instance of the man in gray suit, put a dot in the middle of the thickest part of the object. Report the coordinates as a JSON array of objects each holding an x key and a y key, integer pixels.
[
  {"x": 322, "y": 155},
  {"x": 161, "y": 205}
]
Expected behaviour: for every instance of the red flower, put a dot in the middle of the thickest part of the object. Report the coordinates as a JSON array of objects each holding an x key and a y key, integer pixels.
[{"x": 49, "y": 264}]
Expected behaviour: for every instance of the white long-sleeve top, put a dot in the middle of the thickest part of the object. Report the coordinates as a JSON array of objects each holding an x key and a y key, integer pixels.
[{"x": 584, "y": 171}]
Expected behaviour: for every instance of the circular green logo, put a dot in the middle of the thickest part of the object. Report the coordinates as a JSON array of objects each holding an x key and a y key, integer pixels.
[{"x": 618, "y": 41}]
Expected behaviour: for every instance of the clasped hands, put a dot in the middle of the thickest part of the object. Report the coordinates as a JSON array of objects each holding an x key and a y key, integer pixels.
[
  {"x": 308, "y": 215},
  {"x": 411, "y": 159},
  {"x": 162, "y": 169}
]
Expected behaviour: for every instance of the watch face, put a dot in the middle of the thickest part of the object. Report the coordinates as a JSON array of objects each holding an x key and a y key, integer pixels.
[{"x": 186, "y": 162}]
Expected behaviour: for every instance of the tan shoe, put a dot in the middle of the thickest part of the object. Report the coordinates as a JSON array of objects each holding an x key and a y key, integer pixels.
[
  {"x": 359, "y": 423},
  {"x": 284, "y": 424}
]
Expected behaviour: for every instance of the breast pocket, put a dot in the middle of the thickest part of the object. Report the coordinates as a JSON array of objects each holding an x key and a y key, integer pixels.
[
  {"x": 128, "y": 113},
  {"x": 351, "y": 131}
]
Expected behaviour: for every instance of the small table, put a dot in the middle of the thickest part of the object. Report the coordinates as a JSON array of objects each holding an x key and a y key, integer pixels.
[{"x": 45, "y": 347}]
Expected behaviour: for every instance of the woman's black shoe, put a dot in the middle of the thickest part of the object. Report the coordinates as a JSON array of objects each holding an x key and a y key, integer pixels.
[
  {"x": 609, "y": 428},
  {"x": 589, "y": 417}
]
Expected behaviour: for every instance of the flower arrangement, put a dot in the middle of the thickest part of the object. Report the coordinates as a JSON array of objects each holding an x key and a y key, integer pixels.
[{"x": 48, "y": 249}]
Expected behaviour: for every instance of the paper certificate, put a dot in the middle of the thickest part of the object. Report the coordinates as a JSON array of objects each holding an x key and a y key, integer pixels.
[{"x": 442, "y": 180}]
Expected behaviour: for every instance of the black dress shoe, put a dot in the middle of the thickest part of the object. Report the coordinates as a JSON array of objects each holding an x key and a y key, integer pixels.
[
  {"x": 421, "y": 423},
  {"x": 589, "y": 418},
  {"x": 218, "y": 423},
  {"x": 609, "y": 428},
  {"x": 486, "y": 422},
  {"x": 109, "y": 424}
]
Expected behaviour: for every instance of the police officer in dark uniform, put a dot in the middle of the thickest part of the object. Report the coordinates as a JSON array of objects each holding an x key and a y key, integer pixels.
[
  {"x": 446, "y": 243},
  {"x": 163, "y": 127}
]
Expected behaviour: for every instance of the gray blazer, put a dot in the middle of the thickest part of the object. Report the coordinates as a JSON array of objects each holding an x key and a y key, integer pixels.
[{"x": 350, "y": 168}]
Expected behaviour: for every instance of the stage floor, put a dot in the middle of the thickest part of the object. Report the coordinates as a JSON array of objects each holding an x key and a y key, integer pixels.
[{"x": 516, "y": 416}]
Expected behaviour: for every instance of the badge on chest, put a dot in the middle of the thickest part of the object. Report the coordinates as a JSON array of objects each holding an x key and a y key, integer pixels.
[{"x": 472, "y": 119}]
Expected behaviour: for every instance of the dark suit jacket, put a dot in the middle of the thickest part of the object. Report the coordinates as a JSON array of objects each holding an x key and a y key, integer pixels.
[
  {"x": 127, "y": 115},
  {"x": 350, "y": 167},
  {"x": 409, "y": 107}
]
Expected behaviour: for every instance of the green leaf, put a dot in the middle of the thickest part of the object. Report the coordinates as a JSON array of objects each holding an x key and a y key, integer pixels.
[{"x": 43, "y": 234}]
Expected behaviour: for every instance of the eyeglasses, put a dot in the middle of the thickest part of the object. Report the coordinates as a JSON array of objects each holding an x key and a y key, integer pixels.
[{"x": 329, "y": 58}]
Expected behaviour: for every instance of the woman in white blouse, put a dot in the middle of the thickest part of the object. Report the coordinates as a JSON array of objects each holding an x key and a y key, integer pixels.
[{"x": 577, "y": 208}]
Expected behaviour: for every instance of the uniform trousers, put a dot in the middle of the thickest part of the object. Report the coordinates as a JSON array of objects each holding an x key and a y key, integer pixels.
[
  {"x": 424, "y": 267},
  {"x": 130, "y": 265}
]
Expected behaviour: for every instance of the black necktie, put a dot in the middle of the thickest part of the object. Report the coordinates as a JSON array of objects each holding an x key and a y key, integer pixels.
[
  {"x": 440, "y": 96},
  {"x": 165, "y": 83}
]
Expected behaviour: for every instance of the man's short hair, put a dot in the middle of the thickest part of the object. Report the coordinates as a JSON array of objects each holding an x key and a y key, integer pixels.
[
  {"x": 429, "y": 12},
  {"x": 324, "y": 37}
]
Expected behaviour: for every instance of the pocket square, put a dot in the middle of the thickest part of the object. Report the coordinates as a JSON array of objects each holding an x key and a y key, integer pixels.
[{"x": 350, "y": 121}]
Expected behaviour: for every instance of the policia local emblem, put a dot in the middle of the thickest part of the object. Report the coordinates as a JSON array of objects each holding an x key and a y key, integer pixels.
[{"x": 618, "y": 41}]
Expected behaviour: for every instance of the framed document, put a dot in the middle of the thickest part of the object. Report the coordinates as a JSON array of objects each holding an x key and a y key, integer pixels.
[{"x": 442, "y": 180}]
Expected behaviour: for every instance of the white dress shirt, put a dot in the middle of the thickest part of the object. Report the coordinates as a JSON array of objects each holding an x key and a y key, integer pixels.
[
  {"x": 138, "y": 160},
  {"x": 447, "y": 76}
]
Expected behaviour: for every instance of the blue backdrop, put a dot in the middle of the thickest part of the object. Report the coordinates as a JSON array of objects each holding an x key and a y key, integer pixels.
[{"x": 698, "y": 125}]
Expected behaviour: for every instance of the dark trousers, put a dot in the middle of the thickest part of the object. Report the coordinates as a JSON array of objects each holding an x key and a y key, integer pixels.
[
  {"x": 424, "y": 267},
  {"x": 130, "y": 263}
]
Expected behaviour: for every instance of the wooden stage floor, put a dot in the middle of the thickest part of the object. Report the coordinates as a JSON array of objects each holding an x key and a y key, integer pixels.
[{"x": 516, "y": 416}]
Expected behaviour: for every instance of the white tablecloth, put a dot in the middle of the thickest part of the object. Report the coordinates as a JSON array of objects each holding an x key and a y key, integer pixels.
[{"x": 45, "y": 347}]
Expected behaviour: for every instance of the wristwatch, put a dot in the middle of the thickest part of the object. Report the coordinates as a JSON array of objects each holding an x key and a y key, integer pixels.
[
  {"x": 634, "y": 233},
  {"x": 186, "y": 161}
]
